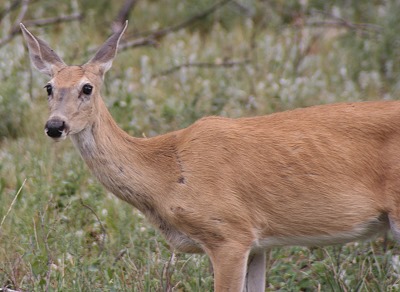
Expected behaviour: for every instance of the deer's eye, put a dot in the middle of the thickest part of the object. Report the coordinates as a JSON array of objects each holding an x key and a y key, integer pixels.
[
  {"x": 87, "y": 89},
  {"x": 49, "y": 89}
]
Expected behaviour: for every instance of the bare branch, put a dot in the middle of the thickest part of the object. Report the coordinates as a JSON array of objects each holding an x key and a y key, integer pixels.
[
  {"x": 138, "y": 43},
  {"x": 125, "y": 10},
  {"x": 54, "y": 20},
  {"x": 363, "y": 27},
  {"x": 306, "y": 51},
  {"x": 7, "y": 38},
  {"x": 38, "y": 22},
  {"x": 335, "y": 21},
  {"x": 225, "y": 64},
  {"x": 120, "y": 256},
  {"x": 243, "y": 9},
  {"x": 162, "y": 32},
  {"x": 167, "y": 273},
  {"x": 151, "y": 37},
  {"x": 21, "y": 15},
  {"x": 50, "y": 260},
  {"x": 103, "y": 229},
  {"x": 15, "y": 27},
  {"x": 14, "y": 5}
]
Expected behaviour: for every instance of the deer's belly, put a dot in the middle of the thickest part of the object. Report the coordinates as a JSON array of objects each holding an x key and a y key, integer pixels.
[{"x": 370, "y": 229}]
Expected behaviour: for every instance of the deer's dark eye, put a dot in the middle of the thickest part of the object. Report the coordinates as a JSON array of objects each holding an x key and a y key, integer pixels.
[
  {"x": 49, "y": 89},
  {"x": 87, "y": 89}
]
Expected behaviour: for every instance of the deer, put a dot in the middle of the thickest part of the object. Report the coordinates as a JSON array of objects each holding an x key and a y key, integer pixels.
[{"x": 235, "y": 188}]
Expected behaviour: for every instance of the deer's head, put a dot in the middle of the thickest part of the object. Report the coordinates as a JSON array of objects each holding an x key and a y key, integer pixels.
[{"x": 73, "y": 91}]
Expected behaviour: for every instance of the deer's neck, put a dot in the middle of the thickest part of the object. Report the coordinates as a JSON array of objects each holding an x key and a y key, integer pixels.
[{"x": 133, "y": 169}]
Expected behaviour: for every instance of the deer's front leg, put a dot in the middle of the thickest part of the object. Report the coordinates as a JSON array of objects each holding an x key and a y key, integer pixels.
[{"x": 229, "y": 264}]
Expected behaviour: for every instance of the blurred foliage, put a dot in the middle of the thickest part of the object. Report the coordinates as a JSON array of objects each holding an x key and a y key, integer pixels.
[
  {"x": 13, "y": 111},
  {"x": 354, "y": 45}
]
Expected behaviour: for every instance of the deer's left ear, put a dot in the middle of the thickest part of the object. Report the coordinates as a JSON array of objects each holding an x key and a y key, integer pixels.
[
  {"x": 105, "y": 55},
  {"x": 42, "y": 56}
]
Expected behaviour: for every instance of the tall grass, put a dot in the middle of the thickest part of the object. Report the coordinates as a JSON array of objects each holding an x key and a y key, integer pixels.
[{"x": 65, "y": 232}]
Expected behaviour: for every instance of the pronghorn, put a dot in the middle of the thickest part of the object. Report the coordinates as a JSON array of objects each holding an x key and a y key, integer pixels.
[{"x": 233, "y": 188}]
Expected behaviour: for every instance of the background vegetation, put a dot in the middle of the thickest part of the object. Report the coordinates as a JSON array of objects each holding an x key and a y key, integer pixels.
[{"x": 180, "y": 60}]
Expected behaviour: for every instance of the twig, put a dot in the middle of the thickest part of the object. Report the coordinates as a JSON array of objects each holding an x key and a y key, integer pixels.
[
  {"x": 151, "y": 37},
  {"x": 49, "y": 255},
  {"x": 39, "y": 22},
  {"x": 225, "y": 64},
  {"x": 243, "y": 9},
  {"x": 14, "y": 5},
  {"x": 137, "y": 43},
  {"x": 302, "y": 54},
  {"x": 53, "y": 20},
  {"x": 120, "y": 256},
  {"x": 166, "y": 273},
  {"x": 15, "y": 27},
  {"x": 14, "y": 271},
  {"x": 103, "y": 229},
  {"x": 125, "y": 10},
  {"x": 10, "y": 278},
  {"x": 187, "y": 22},
  {"x": 12, "y": 204},
  {"x": 336, "y": 21},
  {"x": 21, "y": 14},
  {"x": 363, "y": 27}
]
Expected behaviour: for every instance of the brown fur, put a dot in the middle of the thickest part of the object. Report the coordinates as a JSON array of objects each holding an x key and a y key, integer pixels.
[{"x": 231, "y": 187}]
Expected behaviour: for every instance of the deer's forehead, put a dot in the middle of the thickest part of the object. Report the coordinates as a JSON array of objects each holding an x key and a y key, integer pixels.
[{"x": 69, "y": 77}]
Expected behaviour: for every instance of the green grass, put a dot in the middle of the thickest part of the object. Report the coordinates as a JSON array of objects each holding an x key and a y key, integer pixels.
[{"x": 66, "y": 233}]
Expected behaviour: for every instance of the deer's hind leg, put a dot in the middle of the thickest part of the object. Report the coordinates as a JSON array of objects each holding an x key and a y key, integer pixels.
[
  {"x": 395, "y": 227},
  {"x": 255, "y": 276},
  {"x": 392, "y": 186}
]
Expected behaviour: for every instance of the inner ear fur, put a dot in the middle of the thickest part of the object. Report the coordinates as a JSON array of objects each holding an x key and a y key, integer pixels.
[
  {"x": 41, "y": 54},
  {"x": 107, "y": 52}
]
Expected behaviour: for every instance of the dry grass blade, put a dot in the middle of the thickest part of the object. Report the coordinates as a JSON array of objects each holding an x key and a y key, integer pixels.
[
  {"x": 11, "y": 205},
  {"x": 7, "y": 290}
]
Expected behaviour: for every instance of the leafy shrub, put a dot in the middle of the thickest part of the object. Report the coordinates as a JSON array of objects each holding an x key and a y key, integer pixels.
[{"x": 12, "y": 111}]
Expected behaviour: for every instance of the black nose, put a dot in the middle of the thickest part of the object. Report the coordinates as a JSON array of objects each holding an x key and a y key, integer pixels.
[{"x": 54, "y": 128}]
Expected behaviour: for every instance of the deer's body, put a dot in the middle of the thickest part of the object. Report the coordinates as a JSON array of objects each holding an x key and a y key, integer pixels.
[
  {"x": 233, "y": 187},
  {"x": 308, "y": 176}
]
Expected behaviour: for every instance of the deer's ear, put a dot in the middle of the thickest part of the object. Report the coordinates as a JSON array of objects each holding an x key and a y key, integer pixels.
[
  {"x": 105, "y": 55},
  {"x": 42, "y": 56}
]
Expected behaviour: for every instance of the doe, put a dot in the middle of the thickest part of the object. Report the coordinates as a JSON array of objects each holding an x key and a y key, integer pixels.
[{"x": 233, "y": 188}]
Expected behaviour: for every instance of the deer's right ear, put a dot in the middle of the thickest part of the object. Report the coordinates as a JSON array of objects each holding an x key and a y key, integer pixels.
[
  {"x": 42, "y": 56},
  {"x": 105, "y": 55}
]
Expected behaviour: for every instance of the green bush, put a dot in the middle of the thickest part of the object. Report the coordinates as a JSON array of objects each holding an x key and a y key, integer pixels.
[{"x": 13, "y": 110}]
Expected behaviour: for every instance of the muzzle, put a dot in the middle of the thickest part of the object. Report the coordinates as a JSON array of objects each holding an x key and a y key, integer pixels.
[{"x": 56, "y": 128}]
